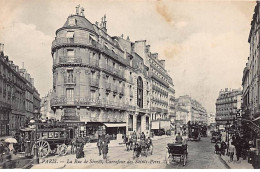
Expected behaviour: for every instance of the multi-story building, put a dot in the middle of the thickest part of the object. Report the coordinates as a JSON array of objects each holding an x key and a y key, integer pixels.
[
  {"x": 228, "y": 104},
  {"x": 188, "y": 109},
  {"x": 250, "y": 82},
  {"x": 13, "y": 87},
  {"x": 32, "y": 96},
  {"x": 46, "y": 111},
  {"x": 104, "y": 83},
  {"x": 211, "y": 118}
]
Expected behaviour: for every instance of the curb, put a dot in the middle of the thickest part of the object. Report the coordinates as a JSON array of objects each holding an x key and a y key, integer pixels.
[{"x": 224, "y": 162}]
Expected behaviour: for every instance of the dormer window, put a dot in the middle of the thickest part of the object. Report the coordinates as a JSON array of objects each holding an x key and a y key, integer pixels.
[
  {"x": 70, "y": 34},
  {"x": 92, "y": 37},
  {"x": 113, "y": 49},
  {"x": 70, "y": 53},
  {"x": 72, "y": 22}
]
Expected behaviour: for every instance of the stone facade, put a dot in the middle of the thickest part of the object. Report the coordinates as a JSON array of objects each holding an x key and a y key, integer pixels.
[
  {"x": 102, "y": 81},
  {"x": 14, "y": 88},
  {"x": 227, "y": 105},
  {"x": 46, "y": 111},
  {"x": 194, "y": 111}
]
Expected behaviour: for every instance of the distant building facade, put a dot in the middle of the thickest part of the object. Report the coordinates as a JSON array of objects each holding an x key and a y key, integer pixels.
[
  {"x": 211, "y": 118},
  {"x": 107, "y": 82},
  {"x": 189, "y": 109},
  {"x": 46, "y": 111},
  {"x": 13, "y": 96},
  {"x": 227, "y": 105}
]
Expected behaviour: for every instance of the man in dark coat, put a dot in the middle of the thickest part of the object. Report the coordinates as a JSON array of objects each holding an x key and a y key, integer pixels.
[
  {"x": 105, "y": 149},
  {"x": 99, "y": 145}
]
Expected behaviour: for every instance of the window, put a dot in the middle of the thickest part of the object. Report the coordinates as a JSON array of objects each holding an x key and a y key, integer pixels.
[
  {"x": 140, "y": 92},
  {"x": 70, "y": 53},
  {"x": 70, "y": 94},
  {"x": 69, "y": 78},
  {"x": 147, "y": 123},
  {"x": 70, "y": 34},
  {"x": 72, "y": 22},
  {"x": 130, "y": 123}
]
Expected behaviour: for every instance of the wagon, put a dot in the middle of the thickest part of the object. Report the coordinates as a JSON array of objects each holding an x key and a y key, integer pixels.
[
  {"x": 176, "y": 153},
  {"x": 50, "y": 140}
]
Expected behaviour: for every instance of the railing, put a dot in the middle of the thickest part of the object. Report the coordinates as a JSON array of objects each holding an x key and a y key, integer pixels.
[
  {"x": 66, "y": 59},
  {"x": 68, "y": 80},
  {"x": 63, "y": 101}
]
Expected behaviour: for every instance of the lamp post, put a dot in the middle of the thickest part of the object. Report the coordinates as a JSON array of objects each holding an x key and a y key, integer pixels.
[{"x": 35, "y": 157}]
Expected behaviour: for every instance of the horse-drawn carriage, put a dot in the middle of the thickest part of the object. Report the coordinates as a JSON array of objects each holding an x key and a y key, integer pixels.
[
  {"x": 216, "y": 136},
  {"x": 204, "y": 131},
  {"x": 194, "y": 132},
  {"x": 143, "y": 147},
  {"x": 176, "y": 153},
  {"x": 51, "y": 139}
]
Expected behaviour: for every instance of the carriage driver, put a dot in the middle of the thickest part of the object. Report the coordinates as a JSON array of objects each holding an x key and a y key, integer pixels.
[{"x": 178, "y": 139}]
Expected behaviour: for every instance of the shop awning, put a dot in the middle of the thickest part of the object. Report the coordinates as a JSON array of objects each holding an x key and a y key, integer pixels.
[
  {"x": 115, "y": 124},
  {"x": 155, "y": 125}
]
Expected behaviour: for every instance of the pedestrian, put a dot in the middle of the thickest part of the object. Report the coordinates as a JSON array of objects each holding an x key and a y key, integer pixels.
[
  {"x": 73, "y": 146},
  {"x": 223, "y": 147},
  {"x": 231, "y": 151},
  {"x": 104, "y": 149},
  {"x": 142, "y": 137},
  {"x": 238, "y": 148},
  {"x": 217, "y": 148},
  {"x": 27, "y": 144},
  {"x": 79, "y": 152},
  {"x": 99, "y": 145}
]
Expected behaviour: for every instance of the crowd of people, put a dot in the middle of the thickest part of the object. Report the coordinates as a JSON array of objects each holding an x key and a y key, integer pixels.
[{"x": 237, "y": 146}]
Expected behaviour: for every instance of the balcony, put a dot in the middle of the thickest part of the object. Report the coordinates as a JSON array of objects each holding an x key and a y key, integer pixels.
[
  {"x": 69, "y": 60},
  {"x": 59, "y": 42},
  {"x": 69, "y": 81},
  {"x": 94, "y": 83}
]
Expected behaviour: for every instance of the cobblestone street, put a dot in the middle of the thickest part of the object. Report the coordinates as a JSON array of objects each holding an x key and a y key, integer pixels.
[{"x": 200, "y": 155}]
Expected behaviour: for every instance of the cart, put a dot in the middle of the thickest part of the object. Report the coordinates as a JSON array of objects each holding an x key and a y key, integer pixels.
[
  {"x": 176, "y": 153},
  {"x": 204, "y": 131}
]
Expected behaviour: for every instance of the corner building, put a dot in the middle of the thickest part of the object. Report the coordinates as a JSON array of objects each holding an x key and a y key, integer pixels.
[{"x": 100, "y": 83}]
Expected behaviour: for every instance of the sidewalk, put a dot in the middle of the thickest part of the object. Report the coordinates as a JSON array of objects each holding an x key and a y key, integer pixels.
[{"x": 241, "y": 164}]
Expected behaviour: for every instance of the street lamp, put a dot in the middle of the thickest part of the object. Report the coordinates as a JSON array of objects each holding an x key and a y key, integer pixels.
[{"x": 35, "y": 152}]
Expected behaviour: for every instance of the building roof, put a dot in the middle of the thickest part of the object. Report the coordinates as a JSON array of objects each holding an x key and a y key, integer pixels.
[{"x": 81, "y": 22}]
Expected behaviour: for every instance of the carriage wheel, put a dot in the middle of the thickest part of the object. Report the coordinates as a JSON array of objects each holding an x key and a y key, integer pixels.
[
  {"x": 62, "y": 150},
  {"x": 43, "y": 148},
  {"x": 167, "y": 158}
]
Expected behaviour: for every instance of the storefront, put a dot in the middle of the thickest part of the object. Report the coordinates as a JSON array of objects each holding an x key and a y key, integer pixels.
[{"x": 116, "y": 130}]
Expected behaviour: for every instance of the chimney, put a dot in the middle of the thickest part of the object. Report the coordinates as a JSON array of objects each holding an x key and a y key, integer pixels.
[
  {"x": 32, "y": 81},
  {"x": 1, "y": 47},
  {"x": 148, "y": 49},
  {"x": 155, "y": 55}
]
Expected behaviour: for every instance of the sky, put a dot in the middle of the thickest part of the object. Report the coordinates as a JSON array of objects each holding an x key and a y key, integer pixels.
[{"x": 204, "y": 43}]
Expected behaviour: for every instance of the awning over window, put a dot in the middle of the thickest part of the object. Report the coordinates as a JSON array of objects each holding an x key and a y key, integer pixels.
[{"x": 115, "y": 124}]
